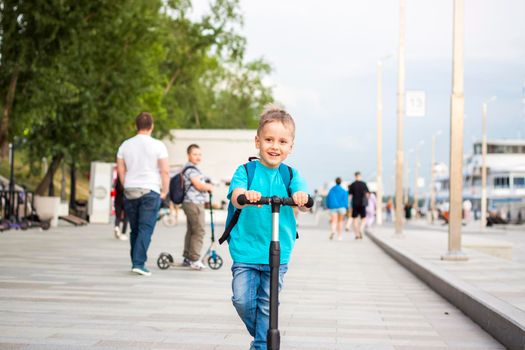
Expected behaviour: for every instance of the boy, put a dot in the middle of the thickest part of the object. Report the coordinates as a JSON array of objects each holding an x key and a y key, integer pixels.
[
  {"x": 193, "y": 207},
  {"x": 250, "y": 238}
]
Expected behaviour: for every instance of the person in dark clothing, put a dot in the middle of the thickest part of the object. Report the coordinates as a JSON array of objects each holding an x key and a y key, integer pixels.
[
  {"x": 120, "y": 213},
  {"x": 358, "y": 195}
]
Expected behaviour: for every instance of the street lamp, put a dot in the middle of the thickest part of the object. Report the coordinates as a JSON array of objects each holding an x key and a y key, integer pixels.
[
  {"x": 483, "y": 222},
  {"x": 456, "y": 137},
  {"x": 400, "y": 117},
  {"x": 433, "y": 178},
  {"x": 416, "y": 177},
  {"x": 407, "y": 177},
  {"x": 379, "y": 211}
]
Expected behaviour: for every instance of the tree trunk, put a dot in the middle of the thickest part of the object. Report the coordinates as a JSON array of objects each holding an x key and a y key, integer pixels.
[
  {"x": 44, "y": 185},
  {"x": 172, "y": 81},
  {"x": 8, "y": 106},
  {"x": 197, "y": 118}
]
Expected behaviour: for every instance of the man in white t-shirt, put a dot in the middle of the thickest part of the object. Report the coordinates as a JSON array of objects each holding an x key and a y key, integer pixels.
[{"x": 142, "y": 166}]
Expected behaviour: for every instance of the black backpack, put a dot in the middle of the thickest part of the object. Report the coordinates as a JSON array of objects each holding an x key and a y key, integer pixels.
[{"x": 177, "y": 188}]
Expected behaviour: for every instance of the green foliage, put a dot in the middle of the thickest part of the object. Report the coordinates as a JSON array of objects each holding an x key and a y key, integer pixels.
[{"x": 85, "y": 68}]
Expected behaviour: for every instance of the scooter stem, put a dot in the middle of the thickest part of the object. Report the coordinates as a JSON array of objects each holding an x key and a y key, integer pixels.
[{"x": 273, "y": 339}]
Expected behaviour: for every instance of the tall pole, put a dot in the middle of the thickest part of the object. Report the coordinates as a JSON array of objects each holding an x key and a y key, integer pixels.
[
  {"x": 416, "y": 176},
  {"x": 456, "y": 140},
  {"x": 433, "y": 180},
  {"x": 483, "y": 222},
  {"x": 400, "y": 116},
  {"x": 379, "y": 209},
  {"x": 12, "y": 166}
]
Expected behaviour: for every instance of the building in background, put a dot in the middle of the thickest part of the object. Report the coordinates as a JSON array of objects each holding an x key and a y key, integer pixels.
[{"x": 223, "y": 150}]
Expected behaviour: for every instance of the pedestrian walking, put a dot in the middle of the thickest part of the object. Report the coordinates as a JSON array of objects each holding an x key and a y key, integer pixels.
[
  {"x": 358, "y": 193},
  {"x": 120, "y": 214},
  {"x": 389, "y": 209},
  {"x": 337, "y": 203},
  {"x": 142, "y": 166},
  {"x": 371, "y": 211},
  {"x": 249, "y": 239},
  {"x": 193, "y": 206}
]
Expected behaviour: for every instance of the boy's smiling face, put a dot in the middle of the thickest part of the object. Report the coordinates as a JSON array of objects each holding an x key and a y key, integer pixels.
[{"x": 274, "y": 142}]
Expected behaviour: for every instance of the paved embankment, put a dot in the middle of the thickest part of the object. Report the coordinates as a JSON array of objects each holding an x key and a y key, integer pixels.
[{"x": 71, "y": 288}]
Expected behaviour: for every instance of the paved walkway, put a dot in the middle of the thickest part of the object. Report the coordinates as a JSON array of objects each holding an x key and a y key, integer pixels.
[
  {"x": 70, "y": 288},
  {"x": 496, "y": 262}
]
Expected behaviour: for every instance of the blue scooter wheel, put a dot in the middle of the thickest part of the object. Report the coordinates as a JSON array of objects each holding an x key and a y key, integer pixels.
[{"x": 215, "y": 262}]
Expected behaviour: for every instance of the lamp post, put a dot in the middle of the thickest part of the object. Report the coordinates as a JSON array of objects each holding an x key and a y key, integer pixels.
[
  {"x": 379, "y": 178},
  {"x": 483, "y": 219},
  {"x": 400, "y": 117},
  {"x": 433, "y": 178},
  {"x": 407, "y": 177},
  {"x": 456, "y": 139},
  {"x": 416, "y": 177}
]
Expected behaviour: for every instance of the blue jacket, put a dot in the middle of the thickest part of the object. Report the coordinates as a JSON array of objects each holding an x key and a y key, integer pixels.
[{"x": 337, "y": 198}]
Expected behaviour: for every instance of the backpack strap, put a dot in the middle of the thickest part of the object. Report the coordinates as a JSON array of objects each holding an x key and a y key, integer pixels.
[
  {"x": 287, "y": 176},
  {"x": 250, "y": 173},
  {"x": 183, "y": 179}
]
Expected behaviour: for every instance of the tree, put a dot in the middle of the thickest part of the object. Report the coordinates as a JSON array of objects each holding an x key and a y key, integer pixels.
[
  {"x": 79, "y": 100},
  {"x": 73, "y": 74},
  {"x": 209, "y": 84}
]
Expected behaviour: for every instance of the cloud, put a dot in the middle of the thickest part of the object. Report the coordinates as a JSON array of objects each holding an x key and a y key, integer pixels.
[{"x": 294, "y": 97}]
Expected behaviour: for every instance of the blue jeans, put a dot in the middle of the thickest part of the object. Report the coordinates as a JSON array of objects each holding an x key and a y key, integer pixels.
[
  {"x": 142, "y": 215},
  {"x": 251, "y": 298}
]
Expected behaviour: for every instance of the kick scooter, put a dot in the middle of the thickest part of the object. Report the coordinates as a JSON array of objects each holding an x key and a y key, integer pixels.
[
  {"x": 213, "y": 259},
  {"x": 273, "y": 338}
]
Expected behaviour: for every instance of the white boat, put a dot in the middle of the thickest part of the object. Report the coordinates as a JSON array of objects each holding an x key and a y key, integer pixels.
[{"x": 505, "y": 164}]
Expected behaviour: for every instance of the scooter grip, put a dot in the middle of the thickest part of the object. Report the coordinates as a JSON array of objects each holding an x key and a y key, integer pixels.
[
  {"x": 310, "y": 202},
  {"x": 289, "y": 201},
  {"x": 242, "y": 200}
]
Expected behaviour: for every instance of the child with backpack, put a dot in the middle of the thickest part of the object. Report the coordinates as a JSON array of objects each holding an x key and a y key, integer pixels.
[
  {"x": 195, "y": 195},
  {"x": 249, "y": 238}
]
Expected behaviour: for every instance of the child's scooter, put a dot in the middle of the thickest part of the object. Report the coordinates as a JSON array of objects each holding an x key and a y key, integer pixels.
[
  {"x": 211, "y": 257},
  {"x": 165, "y": 260},
  {"x": 273, "y": 338}
]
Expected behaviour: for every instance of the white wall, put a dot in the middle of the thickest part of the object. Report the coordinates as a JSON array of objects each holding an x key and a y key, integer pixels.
[{"x": 223, "y": 150}]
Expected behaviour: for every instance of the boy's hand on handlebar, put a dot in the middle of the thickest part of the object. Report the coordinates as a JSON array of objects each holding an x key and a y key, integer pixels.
[
  {"x": 253, "y": 196},
  {"x": 300, "y": 198}
]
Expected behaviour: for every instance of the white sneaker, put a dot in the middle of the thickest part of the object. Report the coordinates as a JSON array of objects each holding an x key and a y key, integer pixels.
[
  {"x": 141, "y": 271},
  {"x": 123, "y": 237},
  {"x": 197, "y": 265},
  {"x": 116, "y": 231}
]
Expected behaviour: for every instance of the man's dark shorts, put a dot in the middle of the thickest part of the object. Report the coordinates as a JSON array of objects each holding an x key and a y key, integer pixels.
[{"x": 359, "y": 210}]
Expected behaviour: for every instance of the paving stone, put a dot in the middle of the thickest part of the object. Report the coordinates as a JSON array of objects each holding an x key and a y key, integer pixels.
[{"x": 71, "y": 288}]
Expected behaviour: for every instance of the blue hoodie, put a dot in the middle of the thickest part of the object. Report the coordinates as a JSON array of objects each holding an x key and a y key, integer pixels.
[{"x": 337, "y": 198}]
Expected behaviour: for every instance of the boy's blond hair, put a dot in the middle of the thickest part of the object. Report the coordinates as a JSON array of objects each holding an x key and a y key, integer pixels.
[{"x": 275, "y": 113}]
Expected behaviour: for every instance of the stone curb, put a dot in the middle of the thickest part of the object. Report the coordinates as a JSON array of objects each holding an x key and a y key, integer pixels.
[{"x": 503, "y": 321}]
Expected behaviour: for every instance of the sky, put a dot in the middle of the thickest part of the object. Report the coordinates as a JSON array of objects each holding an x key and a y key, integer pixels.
[{"x": 324, "y": 56}]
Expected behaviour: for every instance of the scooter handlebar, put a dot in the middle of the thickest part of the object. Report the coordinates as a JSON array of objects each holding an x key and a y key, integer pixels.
[{"x": 242, "y": 200}]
